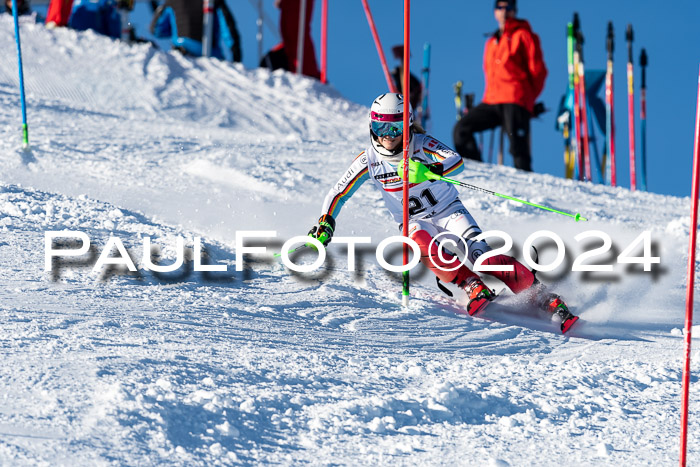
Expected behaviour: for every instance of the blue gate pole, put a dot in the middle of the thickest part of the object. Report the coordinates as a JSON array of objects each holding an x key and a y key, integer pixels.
[{"x": 25, "y": 130}]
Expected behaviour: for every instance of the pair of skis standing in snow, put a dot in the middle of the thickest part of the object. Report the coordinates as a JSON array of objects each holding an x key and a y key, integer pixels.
[{"x": 434, "y": 208}]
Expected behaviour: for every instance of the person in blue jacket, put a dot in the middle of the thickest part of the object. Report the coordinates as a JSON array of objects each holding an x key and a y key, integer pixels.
[
  {"x": 99, "y": 15},
  {"x": 183, "y": 21}
]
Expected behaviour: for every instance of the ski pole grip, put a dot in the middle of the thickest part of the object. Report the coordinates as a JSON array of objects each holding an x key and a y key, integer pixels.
[{"x": 323, "y": 238}]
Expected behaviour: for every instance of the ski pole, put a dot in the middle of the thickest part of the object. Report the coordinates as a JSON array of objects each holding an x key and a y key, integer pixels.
[
  {"x": 208, "y": 27},
  {"x": 568, "y": 130},
  {"x": 301, "y": 38},
  {"x": 405, "y": 292},
  {"x": 610, "y": 107},
  {"x": 25, "y": 128},
  {"x": 643, "y": 117},
  {"x": 324, "y": 41},
  {"x": 458, "y": 99},
  {"x": 577, "y": 216},
  {"x": 322, "y": 238},
  {"x": 630, "y": 107},
  {"x": 425, "y": 114},
  {"x": 434, "y": 176},
  {"x": 293, "y": 250},
  {"x": 578, "y": 167},
  {"x": 583, "y": 103}
]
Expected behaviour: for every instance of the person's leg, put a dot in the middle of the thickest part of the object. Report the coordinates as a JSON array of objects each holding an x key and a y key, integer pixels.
[
  {"x": 445, "y": 265},
  {"x": 460, "y": 222},
  {"x": 59, "y": 12},
  {"x": 310, "y": 67},
  {"x": 516, "y": 123},
  {"x": 289, "y": 30},
  {"x": 480, "y": 118},
  {"x": 518, "y": 279}
]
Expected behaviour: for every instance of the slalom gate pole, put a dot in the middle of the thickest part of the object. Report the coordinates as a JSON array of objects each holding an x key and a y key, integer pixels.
[
  {"x": 630, "y": 107},
  {"x": 691, "y": 283},
  {"x": 643, "y": 117},
  {"x": 25, "y": 128},
  {"x": 380, "y": 51},
  {"x": 406, "y": 137},
  {"x": 259, "y": 34},
  {"x": 208, "y": 29},
  {"x": 324, "y": 41},
  {"x": 301, "y": 36},
  {"x": 578, "y": 167},
  {"x": 610, "y": 106},
  {"x": 577, "y": 216}
]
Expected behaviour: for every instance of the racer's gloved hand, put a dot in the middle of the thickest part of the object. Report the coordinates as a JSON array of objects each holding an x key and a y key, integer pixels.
[
  {"x": 419, "y": 172},
  {"x": 323, "y": 232}
]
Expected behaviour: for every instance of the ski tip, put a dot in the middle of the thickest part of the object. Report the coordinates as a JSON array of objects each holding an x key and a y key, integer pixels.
[{"x": 567, "y": 323}]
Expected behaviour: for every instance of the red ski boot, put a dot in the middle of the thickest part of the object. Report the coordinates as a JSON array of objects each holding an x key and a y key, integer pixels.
[
  {"x": 479, "y": 295},
  {"x": 554, "y": 304}
]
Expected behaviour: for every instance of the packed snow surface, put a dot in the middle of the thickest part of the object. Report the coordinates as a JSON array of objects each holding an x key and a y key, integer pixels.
[{"x": 265, "y": 365}]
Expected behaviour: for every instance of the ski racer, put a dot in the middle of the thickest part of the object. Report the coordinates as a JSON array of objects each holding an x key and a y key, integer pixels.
[{"x": 434, "y": 207}]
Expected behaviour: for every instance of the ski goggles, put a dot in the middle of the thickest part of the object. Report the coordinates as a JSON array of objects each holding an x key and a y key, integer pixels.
[{"x": 384, "y": 129}]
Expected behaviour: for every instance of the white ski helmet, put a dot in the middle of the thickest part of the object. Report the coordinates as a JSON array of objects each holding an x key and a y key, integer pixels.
[{"x": 386, "y": 119}]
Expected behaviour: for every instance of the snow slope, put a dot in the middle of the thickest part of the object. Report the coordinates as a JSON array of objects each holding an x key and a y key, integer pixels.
[{"x": 191, "y": 368}]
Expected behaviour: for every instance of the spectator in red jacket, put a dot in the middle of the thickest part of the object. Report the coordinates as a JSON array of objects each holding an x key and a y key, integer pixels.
[
  {"x": 58, "y": 13},
  {"x": 515, "y": 74},
  {"x": 289, "y": 27}
]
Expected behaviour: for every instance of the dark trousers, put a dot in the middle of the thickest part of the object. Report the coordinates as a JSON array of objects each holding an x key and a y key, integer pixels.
[{"x": 515, "y": 121}]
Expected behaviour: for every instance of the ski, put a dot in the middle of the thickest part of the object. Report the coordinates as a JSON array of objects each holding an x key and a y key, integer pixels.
[{"x": 568, "y": 319}]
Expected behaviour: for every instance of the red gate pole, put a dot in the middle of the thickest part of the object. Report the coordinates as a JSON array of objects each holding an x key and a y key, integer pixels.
[
  {"x": 324, "y": 41},
  {"x": 406, "y": 134},
  {"x": 610, "y": 107},
  {"x": 378, "y": 44},
  {"x": 691, "y": 282}
]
